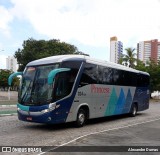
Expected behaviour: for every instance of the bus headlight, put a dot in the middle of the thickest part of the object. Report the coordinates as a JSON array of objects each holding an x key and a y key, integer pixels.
[{"x": 52, "y": 106}]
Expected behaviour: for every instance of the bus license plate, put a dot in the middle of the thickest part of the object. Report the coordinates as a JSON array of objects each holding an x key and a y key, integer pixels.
[{"x": 29, "y": 118}]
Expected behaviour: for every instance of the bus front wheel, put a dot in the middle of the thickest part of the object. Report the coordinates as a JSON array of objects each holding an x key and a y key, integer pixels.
[
  {"x": 133, "y": 110},
  {"x": 81, "y": 118}
]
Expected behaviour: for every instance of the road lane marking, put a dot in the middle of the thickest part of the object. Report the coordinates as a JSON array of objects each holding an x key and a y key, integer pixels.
[{"x": 93, "y": 133}]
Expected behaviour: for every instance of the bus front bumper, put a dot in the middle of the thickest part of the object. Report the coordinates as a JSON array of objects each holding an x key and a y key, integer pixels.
[{"x": 39, "y": 117}]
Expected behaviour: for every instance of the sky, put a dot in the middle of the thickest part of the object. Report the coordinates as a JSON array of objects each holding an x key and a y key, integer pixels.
[{"x": 87, "y": 24}]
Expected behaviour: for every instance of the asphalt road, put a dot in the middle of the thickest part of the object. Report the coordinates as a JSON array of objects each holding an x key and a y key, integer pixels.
[
  {"x": 142, "y": 138},
  {"x": 111, "y": 131}
]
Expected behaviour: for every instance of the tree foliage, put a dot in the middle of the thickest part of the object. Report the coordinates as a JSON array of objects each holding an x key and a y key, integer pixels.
[
  {"x": 154, "y": 70},
  {"x": 130, "y": 57},
  {"x": 37, "y": 49},
  {"x": 4, "y": 74}
]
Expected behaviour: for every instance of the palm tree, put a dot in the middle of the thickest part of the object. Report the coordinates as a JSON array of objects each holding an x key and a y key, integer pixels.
[
  {"x": 121, "y": 60},
  {"x": 130, "y": 57}
]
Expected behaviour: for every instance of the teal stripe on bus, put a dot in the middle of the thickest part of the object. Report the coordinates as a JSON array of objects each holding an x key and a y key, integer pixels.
[
  {"x": 112, "y": 103},
  {"x": 22, "y": 107}
]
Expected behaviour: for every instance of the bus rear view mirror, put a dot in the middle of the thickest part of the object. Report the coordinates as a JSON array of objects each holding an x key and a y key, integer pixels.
[
  {"x": 53, "y": 73},
  {"x": 10, "y": 79}
]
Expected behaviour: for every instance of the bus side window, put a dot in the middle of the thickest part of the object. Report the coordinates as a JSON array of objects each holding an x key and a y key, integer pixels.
[
  {"x": 140, "y": 82},
  {"x": 133, "y": 77},
  {"x": 127, "y": 78},
  {"x": 63, "y": 83},
  {"x": 89, "y": 75},
  {"x": 116, "y": 77},
  {"x": 145, "y": 80},
  {"x": 108, "y": 75},
  {"x": 101, "y": 74}
]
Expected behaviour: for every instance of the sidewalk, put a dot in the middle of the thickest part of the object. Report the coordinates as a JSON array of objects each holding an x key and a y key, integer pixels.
[
  {"x": 8, "y": 107},
  {"x": 4, "y": 99}
]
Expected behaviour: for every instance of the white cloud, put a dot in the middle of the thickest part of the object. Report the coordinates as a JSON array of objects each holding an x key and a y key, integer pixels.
[
  {"x": 3, "y": 61},
  {"x": 92, "y": 22},
  {"x": 5, "y": 19}
]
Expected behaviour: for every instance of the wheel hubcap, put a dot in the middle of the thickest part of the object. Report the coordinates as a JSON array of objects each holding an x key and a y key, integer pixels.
[
  {"x": 81, "y": 118},
  {"x": 134, "y": 110}
]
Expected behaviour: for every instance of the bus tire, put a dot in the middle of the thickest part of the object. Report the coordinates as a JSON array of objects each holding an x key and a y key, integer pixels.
[
  {"x": 81, "y": 117},
  {"x": 133, "y": 110}
]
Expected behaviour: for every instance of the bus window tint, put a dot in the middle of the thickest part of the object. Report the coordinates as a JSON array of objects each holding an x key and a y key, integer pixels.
[
  {"x": 100, "y": 74},
  {"x": 108, "y": 75},
  {"x": 133, "y": 79},
  {"x": 126, "y": 78},
  {"x": 146, "y": 80},
  {"x": 116, "y": 77},
  {"x": 143, "y": 80},
  {"x": 113, "y": 76},
  {"x": 89, "y": 75},
  {"x": 97, "y": 74},
  {"x": 63, "y": 84},
  {"x": 71, "y": 64}
]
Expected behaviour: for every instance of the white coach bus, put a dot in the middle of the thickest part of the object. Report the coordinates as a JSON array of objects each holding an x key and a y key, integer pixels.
[{"x": 70, "y": 88}]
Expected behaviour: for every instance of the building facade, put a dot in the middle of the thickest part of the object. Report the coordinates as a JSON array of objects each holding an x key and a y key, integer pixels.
[
  {"x": 147, "y": 50},
  {"x": 11, "y": 63},
  {"x": 116, "y": 49}
]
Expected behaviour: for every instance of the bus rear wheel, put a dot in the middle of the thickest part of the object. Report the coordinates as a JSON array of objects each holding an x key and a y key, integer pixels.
[
  {"x": 81, "y": 118},
  {"x": 133, "y": 110}
]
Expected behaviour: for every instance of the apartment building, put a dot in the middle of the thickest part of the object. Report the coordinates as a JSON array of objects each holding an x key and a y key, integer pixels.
[
  {"x": 147, "y": 50},
  {"x": 11, "y": 63},
  {"x": 116, "y": 49}
]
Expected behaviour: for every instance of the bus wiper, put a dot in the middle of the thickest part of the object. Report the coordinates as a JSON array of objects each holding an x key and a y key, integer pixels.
[{"x": 26, "y": 92}]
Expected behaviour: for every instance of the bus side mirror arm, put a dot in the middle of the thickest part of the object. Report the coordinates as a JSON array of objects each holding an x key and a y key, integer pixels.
[
  {"x": 53, "y": 73},
  {"x": 10, "y": 79}
]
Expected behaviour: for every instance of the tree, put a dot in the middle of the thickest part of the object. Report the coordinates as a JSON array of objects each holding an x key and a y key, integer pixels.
[
  {"x": 121, "y": 59},
  {"x": 4, "y": 74},
  {"x": 154, "y": 70},
  {"x": 37, "y": 49},
  {"x": 140, "y": 66},
  {"x": 130, "y": 57}
]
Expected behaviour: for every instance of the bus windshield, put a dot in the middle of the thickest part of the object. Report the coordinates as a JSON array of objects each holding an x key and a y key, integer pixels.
[{"x": 34, "y": 88}]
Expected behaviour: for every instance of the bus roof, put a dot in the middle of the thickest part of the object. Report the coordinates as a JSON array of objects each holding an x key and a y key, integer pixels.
[{"x": 61, "y": 58}]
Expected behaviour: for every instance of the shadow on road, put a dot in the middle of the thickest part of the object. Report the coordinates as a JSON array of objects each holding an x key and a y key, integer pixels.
[{"x": 96, "y": 121}]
